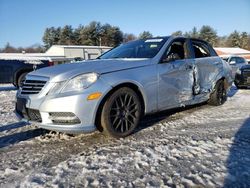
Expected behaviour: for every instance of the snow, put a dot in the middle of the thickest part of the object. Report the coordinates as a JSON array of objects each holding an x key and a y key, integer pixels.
[
  {"x": 199, "y": 146},
  {"x": 29, "y": 59}
]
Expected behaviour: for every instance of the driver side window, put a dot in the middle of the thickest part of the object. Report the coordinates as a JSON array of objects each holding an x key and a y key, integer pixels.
[{"x": 175, "y": 51}]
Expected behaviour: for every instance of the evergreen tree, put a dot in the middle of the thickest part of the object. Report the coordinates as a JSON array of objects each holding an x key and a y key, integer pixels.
[
  {"x": 208, "y": 34},
  {"x": 66, "y": 35},
  {"x": 194, "y": 33},
  {"x": 177, "y": 33},
  {"x": 90, "y": 34},
  {"x": 145, "y": 35},
  {"x": 111, "y": 35},
  {"x": 77, "y": 35},
  {"x": 234, "y": 39},
  {"x": 244, "y": 40},
  {"x": 51, "y": 36}
]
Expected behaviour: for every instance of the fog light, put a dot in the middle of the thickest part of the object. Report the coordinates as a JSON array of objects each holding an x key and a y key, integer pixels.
[
  {"x": 64, "y": 118},
  {"x": 94, "y": 96}
]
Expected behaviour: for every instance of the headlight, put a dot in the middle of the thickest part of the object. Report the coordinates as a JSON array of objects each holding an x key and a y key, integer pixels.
[
  {"x": 238, "y": 71},
  {"x": 56, "y": 88},
  {"x": 77, "y": 83},
  {"x": 80, "y": 82}
]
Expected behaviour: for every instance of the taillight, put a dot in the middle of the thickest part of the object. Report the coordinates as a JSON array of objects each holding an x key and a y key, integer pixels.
[{"x": 51, "y": 63}]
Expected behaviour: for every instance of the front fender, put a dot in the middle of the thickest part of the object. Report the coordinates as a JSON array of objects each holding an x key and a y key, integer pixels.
[{"x": 144, "y": 78}]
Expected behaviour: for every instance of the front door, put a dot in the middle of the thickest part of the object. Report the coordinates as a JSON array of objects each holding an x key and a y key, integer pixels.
[{"x": 176, "y": 76}]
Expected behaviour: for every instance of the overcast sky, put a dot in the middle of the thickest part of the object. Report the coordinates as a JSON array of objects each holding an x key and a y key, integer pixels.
[{"x": 22, "y": 22}]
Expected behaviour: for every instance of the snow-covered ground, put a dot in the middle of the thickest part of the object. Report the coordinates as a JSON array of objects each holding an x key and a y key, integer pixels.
[{"x": 202, "y": 146}]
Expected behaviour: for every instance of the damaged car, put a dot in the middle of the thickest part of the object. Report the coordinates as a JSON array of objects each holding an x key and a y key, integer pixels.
[
  {"x": 114, "y": 91},
  {"x": 242, "y": 77}
]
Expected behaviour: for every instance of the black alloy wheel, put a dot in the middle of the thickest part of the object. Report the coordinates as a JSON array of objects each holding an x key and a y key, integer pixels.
[
  {"x": 219, "y": 95},
  {"x": 121, "y": 113}
]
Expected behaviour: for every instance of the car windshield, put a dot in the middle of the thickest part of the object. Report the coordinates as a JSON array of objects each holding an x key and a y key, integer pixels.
[{"x": 147, "y": 48}]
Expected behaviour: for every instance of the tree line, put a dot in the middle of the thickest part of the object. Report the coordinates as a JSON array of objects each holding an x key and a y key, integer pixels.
[
  {"x": 234, "y": 39},
  {"x": 93, "y": 34},
  {"x": 37, "y": 48},
  {"x": 98, "y": 34}
]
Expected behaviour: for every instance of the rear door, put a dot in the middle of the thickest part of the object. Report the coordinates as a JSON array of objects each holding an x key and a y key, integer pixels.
[
  {"x": 208, "y": 65},
  {"x": 175, "y": 75}
]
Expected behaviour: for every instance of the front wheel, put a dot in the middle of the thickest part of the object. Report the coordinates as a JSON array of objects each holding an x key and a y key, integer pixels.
[
  {"x": 21, "y": 79},
  {"x": 219, "y": 95},
  {"x": 121, "y": 113}
]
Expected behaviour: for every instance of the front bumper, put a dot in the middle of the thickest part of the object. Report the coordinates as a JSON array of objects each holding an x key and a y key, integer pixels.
[
  {"x": 242, "y": 80},
  {"x": 74, "y": 103}
]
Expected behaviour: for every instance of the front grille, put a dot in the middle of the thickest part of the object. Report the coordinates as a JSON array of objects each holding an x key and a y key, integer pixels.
[
  {"x": 246, "y": 73},
  {"x": 32, "y": 87}
]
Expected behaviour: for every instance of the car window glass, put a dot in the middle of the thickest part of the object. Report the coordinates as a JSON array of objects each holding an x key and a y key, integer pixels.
[
  {"x": 200, "y": 50},
  {"x": 240, "y": 60},
  {"x": 177, "y": 50},
  {"x": 237, "y": 60},
  {"x": 233, "y": 59}
]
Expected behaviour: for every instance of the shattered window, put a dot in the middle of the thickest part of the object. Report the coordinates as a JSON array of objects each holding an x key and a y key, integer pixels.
[{"x": 200, "y": 50}]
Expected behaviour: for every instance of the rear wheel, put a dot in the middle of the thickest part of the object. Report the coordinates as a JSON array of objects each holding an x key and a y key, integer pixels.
[
  {"x": 219, "y": 95},
  {"x": 121, "y": 113}
]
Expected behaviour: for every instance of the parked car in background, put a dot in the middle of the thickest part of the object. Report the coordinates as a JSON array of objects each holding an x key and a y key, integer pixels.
[
  {"x": 236, "y": 62},
  {"x": 114, "y": 91},
  {"x": 242, "y": 77},
  {"x": 13, "y": 70}
]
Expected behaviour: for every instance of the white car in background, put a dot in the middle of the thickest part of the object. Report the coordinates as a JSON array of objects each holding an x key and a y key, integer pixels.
[{"x": 236, "y": 62}]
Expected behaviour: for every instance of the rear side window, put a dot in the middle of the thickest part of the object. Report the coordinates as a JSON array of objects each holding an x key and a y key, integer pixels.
[{"x": 201, "y": 50}]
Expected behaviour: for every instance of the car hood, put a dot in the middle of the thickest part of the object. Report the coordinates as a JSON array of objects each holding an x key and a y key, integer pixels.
[{"x": 66, "y": 71}]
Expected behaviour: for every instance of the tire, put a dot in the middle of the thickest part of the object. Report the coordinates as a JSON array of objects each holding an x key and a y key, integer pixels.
[
  {"x": 238, "y": 87},
  {"x": 219, "y": 95},
  {"x": 121, "y": 113},
  {"x": 21, "y": 79}
]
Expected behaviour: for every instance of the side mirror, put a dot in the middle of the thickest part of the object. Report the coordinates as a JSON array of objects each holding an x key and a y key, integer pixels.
[
  {"x": 232, "y": 62},
  {"x": 171, "y": 57}
]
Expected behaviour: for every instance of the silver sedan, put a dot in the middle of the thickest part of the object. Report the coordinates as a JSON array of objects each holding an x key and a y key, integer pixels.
[{"x": 114, "y": 91}]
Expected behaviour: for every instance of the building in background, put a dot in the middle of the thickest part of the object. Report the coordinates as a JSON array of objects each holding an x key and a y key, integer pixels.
[
  {"x": 226, "y": 52},
  {"x": 83, "y": 52},
  {"x": 60, "y": 54}
]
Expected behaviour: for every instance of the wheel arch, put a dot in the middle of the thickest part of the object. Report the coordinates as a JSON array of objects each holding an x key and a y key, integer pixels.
[
  {"x": 130, "y": 85},
  {"x": 225, "y": 82},
  {"x": 19, "y": 72}
]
